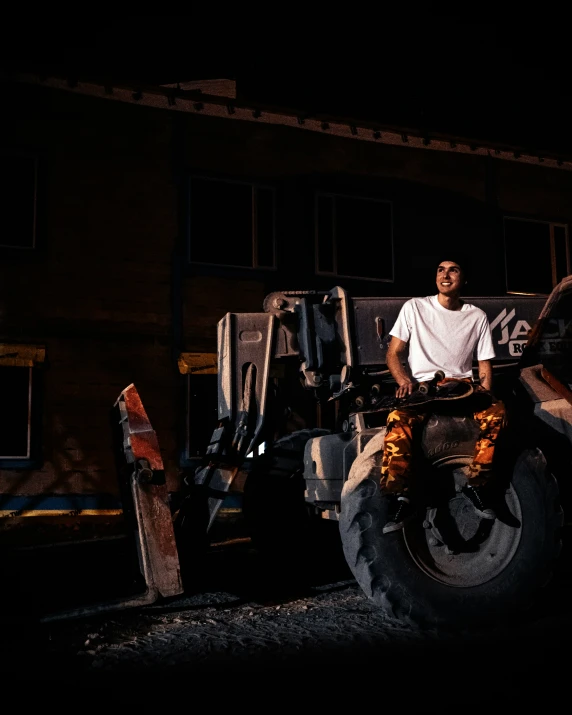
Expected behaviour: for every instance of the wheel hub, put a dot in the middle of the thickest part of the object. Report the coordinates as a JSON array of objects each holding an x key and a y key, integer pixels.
[{"x": 456, "y": 547}]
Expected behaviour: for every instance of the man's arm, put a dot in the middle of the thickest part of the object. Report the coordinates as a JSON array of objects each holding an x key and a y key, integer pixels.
[
  {"x": 396, "y": 356},
  {"x": 486, "y": 374}
]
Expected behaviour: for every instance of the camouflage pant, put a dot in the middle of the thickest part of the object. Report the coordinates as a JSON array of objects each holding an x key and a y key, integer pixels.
[{"x": 404, "y": 424}]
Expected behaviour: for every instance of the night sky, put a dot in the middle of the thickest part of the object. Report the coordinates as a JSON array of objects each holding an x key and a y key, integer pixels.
[{"x": 504, "y": 81}]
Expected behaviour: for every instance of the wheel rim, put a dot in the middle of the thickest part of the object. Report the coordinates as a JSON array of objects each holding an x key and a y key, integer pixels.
[{"x": 453, "y": 546}]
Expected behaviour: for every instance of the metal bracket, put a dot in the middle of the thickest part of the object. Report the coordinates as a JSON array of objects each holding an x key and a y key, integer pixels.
[{"x": 144, "y": 486}]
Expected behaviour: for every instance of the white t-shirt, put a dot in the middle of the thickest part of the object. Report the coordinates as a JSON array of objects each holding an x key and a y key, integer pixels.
[{"x": 442, "y": 339}]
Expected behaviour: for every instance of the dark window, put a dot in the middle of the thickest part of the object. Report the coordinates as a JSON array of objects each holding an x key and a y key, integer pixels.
[
  {"x": 561, "y": 252},
  {"x": 16, "y": 412},
  {"x": 537, "y": 255},
  {"x": 202, "y": 413},
  {"x": 232, "y": 224},
  {"x": 325, "y": 234},
  {"x": 349, "y": 231},
  {"x": 18, "y": 185}
]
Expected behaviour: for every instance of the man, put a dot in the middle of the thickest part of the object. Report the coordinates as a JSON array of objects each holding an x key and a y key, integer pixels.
[{"x": 439, "y": 332}]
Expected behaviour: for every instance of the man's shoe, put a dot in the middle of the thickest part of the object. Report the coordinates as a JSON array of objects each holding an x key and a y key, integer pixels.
[
  {"x": 478, "y": 498},
  {"x": 399, "y": 512}
]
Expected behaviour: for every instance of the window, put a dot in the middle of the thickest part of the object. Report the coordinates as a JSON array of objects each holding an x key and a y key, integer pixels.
[
  {"x": 19, "y": 418},
  {"x": 348, "y": 230},
  {"x": 202, "y": 413},
  {"x": 15, "y": 416},
  {"x": 537, "y": 255},
  {"x": 232, "y": 224},
  {"x": 202, "y": 403},
  {"x": 18, "y": 201}
]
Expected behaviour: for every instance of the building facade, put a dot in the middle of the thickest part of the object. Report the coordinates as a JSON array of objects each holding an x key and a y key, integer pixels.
[{"x": 136, "y": 217}]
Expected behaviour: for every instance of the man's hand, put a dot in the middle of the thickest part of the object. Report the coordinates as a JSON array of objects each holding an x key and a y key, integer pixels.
[
  {"x": 486, "y": 375},
  {"x": 405, "y": 388},
  {"x": 399, "y": 368}
]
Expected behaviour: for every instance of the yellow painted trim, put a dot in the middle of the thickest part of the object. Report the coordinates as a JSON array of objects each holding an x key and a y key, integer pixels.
[
  {"x": 17, "y": 355},
  {"x": 198, "y": 364}
]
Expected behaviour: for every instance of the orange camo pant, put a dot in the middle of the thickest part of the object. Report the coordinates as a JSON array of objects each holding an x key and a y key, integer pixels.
[{"x": 404, "y": 424}]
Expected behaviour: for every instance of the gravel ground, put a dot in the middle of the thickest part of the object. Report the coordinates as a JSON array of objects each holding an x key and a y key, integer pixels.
[{"x": 236, "y": 629}]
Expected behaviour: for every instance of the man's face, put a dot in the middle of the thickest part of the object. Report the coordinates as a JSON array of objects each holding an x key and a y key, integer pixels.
[{"x": 450, "y": 278}]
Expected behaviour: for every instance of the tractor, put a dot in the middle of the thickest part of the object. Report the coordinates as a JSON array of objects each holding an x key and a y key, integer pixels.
[{"x": 301, "y": 384}]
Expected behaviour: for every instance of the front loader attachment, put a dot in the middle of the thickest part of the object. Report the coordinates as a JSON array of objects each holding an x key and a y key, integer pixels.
[{"x": 245, "y": 344}]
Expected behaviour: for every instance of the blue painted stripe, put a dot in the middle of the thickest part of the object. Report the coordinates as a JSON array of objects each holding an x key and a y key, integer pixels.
[
  {"x": 233, "y": 501},
  {"x": 73, "y": 502},
  {"x": 58, "y": 502}
]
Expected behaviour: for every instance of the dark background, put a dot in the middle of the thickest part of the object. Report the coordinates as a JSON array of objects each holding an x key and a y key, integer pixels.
[{"x": 506, "y": 81}]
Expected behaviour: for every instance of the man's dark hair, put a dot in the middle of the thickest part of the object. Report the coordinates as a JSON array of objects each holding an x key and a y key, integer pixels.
[{"x": 460, "y": 261}]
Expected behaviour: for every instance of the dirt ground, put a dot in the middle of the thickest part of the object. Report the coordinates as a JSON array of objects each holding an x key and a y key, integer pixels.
[{"x": 236, "y": 631}]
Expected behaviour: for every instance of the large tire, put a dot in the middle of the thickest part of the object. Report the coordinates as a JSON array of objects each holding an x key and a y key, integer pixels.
[
  {"x": 481, "y": 572},
  {"x": 278, "y": 518}
]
